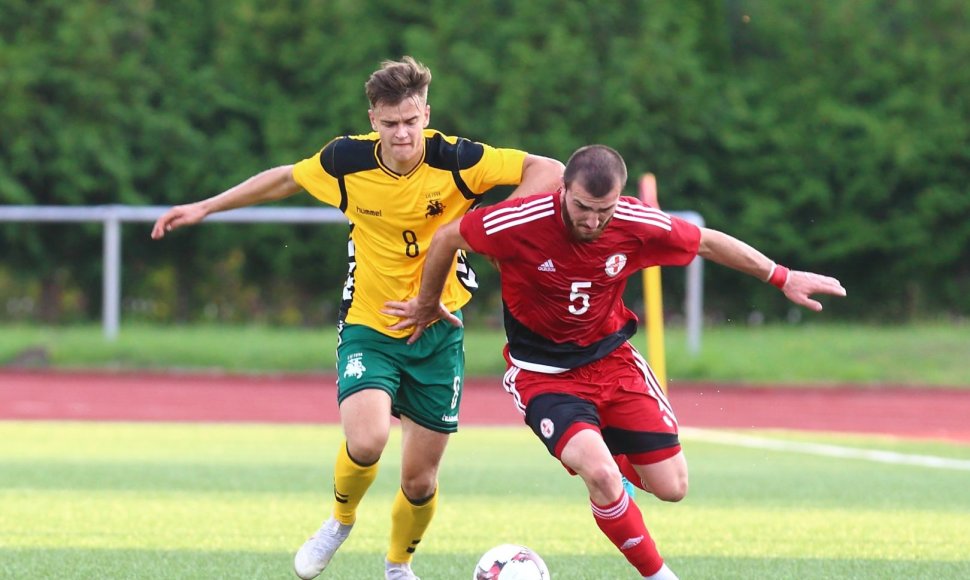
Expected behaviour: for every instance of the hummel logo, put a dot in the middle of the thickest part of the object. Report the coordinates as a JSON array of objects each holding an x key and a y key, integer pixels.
[
  {"x": 341, "y": 497},
  {"x": 547, "y": 266}
]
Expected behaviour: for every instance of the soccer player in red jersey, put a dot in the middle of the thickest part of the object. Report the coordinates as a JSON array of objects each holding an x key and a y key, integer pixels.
[{"x": 584, "y": 389}]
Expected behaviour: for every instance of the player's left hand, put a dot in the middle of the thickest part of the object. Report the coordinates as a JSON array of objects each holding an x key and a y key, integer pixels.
[
  {"x": 801, "y": 285},
  {"x": 418, "y": 316}
]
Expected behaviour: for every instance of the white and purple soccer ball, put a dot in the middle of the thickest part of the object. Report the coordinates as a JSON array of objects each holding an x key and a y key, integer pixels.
[{"x": 511, "y": 562}]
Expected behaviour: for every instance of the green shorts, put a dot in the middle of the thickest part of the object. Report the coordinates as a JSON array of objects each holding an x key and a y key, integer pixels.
[{"x": 424, "y": 379}]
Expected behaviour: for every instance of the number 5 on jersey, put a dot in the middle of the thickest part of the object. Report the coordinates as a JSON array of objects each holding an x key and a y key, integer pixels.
[{"x": 578, "y": 300}]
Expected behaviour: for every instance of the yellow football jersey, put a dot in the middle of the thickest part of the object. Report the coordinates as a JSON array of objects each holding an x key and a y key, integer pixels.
[{"x": 393, "y": 217}]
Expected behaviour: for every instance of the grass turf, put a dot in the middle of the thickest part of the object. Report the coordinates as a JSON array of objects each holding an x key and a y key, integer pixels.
[
  {"x": 927, "y": 354},
  {"x": 124, "y": 500}
]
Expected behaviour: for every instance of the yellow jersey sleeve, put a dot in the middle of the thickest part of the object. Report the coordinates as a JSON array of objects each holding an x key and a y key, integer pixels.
[
  {"x": 323, "y": 175},
  {"x": 497, "y": 167},
  {"x": 310, "y": 175}
]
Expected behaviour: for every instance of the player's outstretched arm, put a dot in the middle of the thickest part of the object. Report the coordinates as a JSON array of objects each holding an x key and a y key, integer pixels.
[
  {"x": 419, "y": 312},
  {"x": 799, "y": 287},
  {"x": 270, "y": 185},
  {"x": 539, "y": 175}
]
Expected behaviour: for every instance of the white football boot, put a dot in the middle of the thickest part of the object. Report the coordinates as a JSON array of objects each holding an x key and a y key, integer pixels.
[
  {"x": 394, "y": 571},
  {"x": 313, "y": 557}
]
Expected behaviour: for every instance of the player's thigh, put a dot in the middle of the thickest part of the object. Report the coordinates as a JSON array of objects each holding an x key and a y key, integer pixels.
[
  {"x": 557, "y": 417},
  {"x": 367, "y": 382},
  {"x": 421, "y": 453},
  {"x": 666, "y": 479},
  {"x": 586, "y": 453},
  {"x": 432, "y": 379},
  {"x": 366, "y": 419}
]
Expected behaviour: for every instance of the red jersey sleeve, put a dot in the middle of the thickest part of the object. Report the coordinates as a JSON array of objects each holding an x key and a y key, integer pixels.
[
  {"x": 677, "y": 248},
  {"x": 664, "y": 240},
  {"x": 494, "y": 230},
  {"x": 473, "y": 231}
]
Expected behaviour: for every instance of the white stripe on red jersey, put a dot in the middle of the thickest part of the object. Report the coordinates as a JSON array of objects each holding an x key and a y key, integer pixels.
[
  {"x": 502, "y": 219},
  {"x": 642, "y": 214}
]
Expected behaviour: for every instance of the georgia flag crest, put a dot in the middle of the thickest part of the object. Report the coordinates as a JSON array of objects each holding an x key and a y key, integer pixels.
[{"x": 615, "y": 264}]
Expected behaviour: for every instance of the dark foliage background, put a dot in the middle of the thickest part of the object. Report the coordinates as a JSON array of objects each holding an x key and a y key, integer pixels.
[{"x": 835, "y": 136}]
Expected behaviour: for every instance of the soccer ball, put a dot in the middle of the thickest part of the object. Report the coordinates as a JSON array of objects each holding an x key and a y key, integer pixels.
[{"x": 511, "y": 562}]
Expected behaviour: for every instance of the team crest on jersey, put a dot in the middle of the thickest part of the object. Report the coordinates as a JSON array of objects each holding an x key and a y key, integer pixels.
[
  {"x": 435, "y": 208},
  {"x": 615, "y": 264},
  {"x": 547, "y": 428},
  {"x": 355, "y": 366}
]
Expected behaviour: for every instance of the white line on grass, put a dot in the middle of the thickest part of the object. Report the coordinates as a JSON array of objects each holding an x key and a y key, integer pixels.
[{"x": 728, "y": 438}]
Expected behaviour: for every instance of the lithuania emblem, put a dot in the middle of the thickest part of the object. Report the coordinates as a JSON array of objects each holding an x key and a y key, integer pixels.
[
  {"x": 435, "y": 207},
  {"x": 355, "y": 366}
]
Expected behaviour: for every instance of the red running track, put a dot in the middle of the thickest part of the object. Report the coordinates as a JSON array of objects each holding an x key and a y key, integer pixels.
[{"x": 94, "y": 396}]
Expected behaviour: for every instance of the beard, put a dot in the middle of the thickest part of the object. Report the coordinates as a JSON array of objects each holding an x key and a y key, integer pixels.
[
  {"x": 577, "y": 230},
  {"x": 584, "y": 234}
]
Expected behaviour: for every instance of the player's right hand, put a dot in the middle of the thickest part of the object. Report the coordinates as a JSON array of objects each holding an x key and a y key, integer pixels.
[
  {"x": 800, "y": 286},
  {"x": 419, "y": 317},
  {"x": 178, "y": 216}
]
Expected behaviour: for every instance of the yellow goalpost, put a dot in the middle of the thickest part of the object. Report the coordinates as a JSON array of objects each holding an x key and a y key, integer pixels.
[{"x": 653, "y": 296}]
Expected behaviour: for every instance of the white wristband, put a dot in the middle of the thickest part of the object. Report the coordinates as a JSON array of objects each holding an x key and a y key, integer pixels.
[{"x": 771, "y": 272}]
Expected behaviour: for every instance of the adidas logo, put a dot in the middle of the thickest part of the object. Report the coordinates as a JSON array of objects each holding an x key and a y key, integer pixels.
[
  {"x": 631, "y": 543},
  {"x": 547, "y": 266}
]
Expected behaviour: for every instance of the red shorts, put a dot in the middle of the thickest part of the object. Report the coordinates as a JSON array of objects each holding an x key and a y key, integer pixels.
[{"x": 617, "y": 395}]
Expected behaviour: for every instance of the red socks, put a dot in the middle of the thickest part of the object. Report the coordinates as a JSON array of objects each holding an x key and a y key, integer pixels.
[{"x": 622, "y": 523}]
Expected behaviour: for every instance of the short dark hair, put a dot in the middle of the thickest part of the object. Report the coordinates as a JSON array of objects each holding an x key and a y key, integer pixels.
[
  {"x": 598, "y": 168},
  {"x": 396, "y": 81}
]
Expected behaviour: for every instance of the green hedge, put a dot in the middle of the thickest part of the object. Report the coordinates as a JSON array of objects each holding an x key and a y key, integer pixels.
[{"x": 832, "y": 135}]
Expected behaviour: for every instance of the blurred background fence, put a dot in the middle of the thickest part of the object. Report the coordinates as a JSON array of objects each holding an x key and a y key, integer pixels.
[{"x": 112, "y": 217}]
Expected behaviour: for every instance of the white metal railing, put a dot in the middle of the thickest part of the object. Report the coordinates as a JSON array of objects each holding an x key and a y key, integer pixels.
[{"x": 112, "y": 217}]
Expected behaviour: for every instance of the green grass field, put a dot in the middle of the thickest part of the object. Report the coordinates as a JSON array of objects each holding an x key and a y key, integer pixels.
[
  {"x": 120, "y": 500},
  {"x": 828, "y": 354}
]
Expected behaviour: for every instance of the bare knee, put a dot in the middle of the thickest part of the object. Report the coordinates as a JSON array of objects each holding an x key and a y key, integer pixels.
[
  {"x": 419, "y": 486},
  {"x": 366, "y": 448},
  {"x": 419, "y": 476},
  {"x": 603, "y": 481},
  {"x": 673, "y": 489}
]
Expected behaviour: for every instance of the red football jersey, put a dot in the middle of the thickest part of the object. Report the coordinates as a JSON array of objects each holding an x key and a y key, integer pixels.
[{"x": 564, "y": 298}]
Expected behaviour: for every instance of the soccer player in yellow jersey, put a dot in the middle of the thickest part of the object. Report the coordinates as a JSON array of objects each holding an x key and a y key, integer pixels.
[{"x": 396, "y": 186}]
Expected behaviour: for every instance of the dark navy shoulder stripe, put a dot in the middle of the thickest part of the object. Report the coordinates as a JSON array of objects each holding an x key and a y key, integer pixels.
[
  {"x": 345, "y": 155},
  {"x": 462, "y": 154},
  {"x": 453, "y": 157}
]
